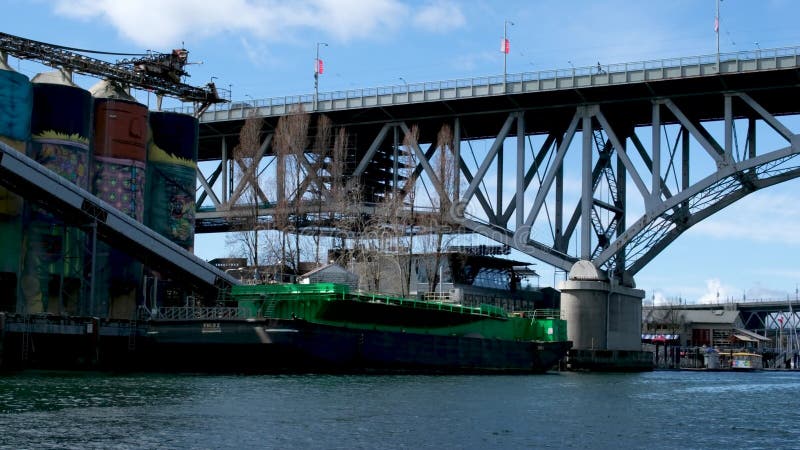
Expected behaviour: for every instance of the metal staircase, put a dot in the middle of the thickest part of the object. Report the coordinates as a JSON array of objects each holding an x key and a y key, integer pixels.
[{"x": 269, "y": 311}]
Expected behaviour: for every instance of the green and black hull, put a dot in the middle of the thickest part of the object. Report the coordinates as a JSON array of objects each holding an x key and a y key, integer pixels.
[
  {"x": 293, "y": 328},
  {"x": 286, "y": 345},
  {"x": 327, "y": 328}
]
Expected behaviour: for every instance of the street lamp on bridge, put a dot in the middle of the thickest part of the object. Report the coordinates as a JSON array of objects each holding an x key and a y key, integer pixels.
[
  {"x": 505, "y": 48},
  {"x": 318, "y": 68},
  {"x": 252, "y": 103}
]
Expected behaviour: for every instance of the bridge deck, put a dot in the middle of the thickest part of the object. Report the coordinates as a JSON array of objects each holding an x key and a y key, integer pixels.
[{"x": 626, "y": 89}]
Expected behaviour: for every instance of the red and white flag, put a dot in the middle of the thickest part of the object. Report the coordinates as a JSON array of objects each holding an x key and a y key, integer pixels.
[
  {"x": 716, "y": 24},
  {"x": 320, "y": 67},
  {"x": 505, "y": 46}
]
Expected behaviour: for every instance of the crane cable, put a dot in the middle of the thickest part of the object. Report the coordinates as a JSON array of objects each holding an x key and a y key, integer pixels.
[{"x": 83, "y": 50}]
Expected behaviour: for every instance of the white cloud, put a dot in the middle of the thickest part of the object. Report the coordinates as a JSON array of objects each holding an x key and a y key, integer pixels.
[
  {"x": 161, "y": 23},
  {"x": 676, "y": 294},
  {"x": 761, "y": 217},
  {"x": 716, "y": 292},
  {"x": 775, "y": 272},
  {"x": 256, "y": 52},
  {"x": 759, "y": 292},
  {"x": 704, "y": 292},
  {"x": 439, "y": 16},
  {"x": 470, "y": 62},
  {"x": 658, "y": 299},
  {"x": 346, "y": 19}
]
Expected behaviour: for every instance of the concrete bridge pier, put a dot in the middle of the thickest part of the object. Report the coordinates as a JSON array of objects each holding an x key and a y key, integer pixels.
[{"x": 604, "y": 322}]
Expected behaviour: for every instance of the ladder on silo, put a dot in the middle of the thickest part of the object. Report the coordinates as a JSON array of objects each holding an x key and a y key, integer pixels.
[
  {"x": 132, "y": 331},
  {"x": 26, "y": 336},
  {"x": 222, "y": 296}
]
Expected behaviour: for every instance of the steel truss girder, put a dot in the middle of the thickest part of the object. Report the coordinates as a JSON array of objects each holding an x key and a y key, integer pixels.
[
  {"x": 232, "y": 208},
  {"x": 666, "y": 215},
  {"x": 607, "y": 160},
  {"x": 664, "y": 220},
  {"x": 231, "y": 195}
]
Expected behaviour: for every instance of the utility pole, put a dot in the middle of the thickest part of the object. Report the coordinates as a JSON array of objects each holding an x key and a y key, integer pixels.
[
  {"x": 716, "y": 30},
  {"x": 317, "y": 72},
  {"x": 505, "y": 49}
]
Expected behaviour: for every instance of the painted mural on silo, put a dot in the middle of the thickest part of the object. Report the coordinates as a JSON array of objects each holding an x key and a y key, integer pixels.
[
  {"x": 119, "y": 149},
  {"x": 16, "y": 103},
  {"x": 171, "y": 176},
  {"x": 53, "y": 268},
  {"x": 118, "y": 173}
]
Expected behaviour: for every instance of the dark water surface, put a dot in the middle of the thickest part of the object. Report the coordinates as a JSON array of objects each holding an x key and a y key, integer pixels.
[{"x": 557, "y": 410}]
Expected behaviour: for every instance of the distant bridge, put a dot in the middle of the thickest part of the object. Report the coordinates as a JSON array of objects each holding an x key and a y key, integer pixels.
[
  {"x": 609, "y": 164},
  {"x": 757, "y": 315}
]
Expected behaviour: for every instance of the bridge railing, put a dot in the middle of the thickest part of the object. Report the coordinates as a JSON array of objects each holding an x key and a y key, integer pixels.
[
  {"x": 194, "y": 313},
  {"x": 727, "y": 303},
  {"x": 691, "y": 66}
]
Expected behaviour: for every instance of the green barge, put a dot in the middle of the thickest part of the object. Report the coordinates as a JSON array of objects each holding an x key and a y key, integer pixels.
[{"x": 327, "y": 328}]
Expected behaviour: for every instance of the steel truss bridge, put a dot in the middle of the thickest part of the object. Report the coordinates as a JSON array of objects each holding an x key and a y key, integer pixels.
[{"x": 609, "y": 164}]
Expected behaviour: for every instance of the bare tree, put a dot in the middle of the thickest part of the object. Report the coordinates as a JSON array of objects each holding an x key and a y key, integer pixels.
[
  {"x": 291, "y": 141},
  {"x": 361, "y": 237},
  {"x": 410, "y": 141},
  {"x": 391, "y": 231},
  {"x": 374, "y": 240},
  {"x": 385, "y": 248},
  {"x": 245, "y": 156},
  {"x": 322, "y": 143},
  {"x": 345, "y": 201},
  {"x": 393, "y": 222},
  {"x": 438, "y": 226},
  {"x": 338, "y": 187}
]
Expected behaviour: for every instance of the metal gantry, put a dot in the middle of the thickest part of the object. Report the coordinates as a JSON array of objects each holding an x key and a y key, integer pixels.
[
  {"x": 159, "y": 73},
  {"x": 606, "y": 165}
]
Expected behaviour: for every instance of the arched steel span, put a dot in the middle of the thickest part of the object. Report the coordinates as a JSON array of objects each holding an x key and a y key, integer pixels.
[
  {"x": 555, "y": 159},
  {"x": 667, "y": 210}
]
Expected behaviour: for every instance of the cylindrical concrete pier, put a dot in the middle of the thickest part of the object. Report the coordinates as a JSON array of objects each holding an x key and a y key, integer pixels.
[{"x": 603, "y": 322}]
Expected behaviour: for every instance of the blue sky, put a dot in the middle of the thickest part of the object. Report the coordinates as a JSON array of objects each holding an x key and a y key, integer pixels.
[{"x": 266, "y": 48}]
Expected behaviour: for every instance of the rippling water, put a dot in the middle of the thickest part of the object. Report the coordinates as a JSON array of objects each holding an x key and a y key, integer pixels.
[{"x": 557, "y": 410}]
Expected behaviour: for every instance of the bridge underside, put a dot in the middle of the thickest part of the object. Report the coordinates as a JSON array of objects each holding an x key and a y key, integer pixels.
[{"x": 598, "y": 169}]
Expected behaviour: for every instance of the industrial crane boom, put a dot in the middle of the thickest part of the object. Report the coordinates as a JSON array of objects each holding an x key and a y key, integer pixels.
[{"x": 159, "y": 73}]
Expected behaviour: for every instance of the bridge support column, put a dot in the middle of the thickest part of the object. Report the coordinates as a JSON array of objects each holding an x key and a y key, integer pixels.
[{"x": 604, "y": 322}]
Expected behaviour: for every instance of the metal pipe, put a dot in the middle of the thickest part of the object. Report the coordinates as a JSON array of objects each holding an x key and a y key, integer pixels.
[{"x": 94, "y": 268}]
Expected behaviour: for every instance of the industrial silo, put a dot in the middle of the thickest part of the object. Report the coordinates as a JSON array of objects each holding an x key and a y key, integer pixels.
[
  {"x": 16, "y": 101},
  {"x": 171, "y": 176},
  {"x": 53, "y": 271},
  {"x": 119, "y": 157}
]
